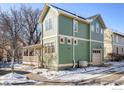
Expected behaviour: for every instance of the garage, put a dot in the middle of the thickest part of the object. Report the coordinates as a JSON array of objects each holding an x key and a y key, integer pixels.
[{"x": 96, "y": 56}]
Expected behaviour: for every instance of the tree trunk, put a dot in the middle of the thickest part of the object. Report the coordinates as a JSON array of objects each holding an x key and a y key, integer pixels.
[{"x": 12, "y": 61}]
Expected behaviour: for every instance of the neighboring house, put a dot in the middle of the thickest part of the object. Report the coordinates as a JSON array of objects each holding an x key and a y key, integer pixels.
[
  {"x": 113, "y": 43},
  {"x": 69, "y": 38},
  {"x": 108, "y": 37},
  {"x": 118, "y": 43}
]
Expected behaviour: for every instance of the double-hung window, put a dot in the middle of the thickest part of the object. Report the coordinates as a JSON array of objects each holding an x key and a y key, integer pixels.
[
  {"x": 97, "y": 27},
  {"x": 116, "y": 38},
  {"x": 48, "y": 24},
  {"x": 101, "y": 30},
  {"x": 75, "y": 26},
  {"x": 92, "y": 27}
]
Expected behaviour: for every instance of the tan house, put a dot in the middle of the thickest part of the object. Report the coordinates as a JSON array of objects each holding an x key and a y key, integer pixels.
[
  {"x": 113, "y": 43},
  {"x": 107, "y": 43}
]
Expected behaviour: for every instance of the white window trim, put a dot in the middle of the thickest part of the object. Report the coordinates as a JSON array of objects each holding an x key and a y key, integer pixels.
[
  {"x": 70, "y": 41},
  {"x": 92, "y": 27},
  {"x": 48, "y": 25},
  {"x": 75, "y": 22},
  {"x": 97, "y": 28},
  {"x": 63, "y": 40},
  {"x": 116, "y": 38},
  {"x": 101, "y": 30},
  {"x": 76, "y": 41}
]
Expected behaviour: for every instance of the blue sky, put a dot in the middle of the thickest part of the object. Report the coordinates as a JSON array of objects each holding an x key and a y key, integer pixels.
[{"x": 113, "y": 14}]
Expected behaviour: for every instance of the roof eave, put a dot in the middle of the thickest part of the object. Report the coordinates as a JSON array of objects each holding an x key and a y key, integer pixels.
[
  {"x": 72, "y": 16},
  {"x": 46, "y": 7}
]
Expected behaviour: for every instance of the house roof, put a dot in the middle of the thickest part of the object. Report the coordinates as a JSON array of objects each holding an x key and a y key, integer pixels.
[
  {"x": 99, "y": 17},
  {"x": 59, "y": 10},
  {"x": 119, "y": 33},
  {"x": 68, "y": 12}
]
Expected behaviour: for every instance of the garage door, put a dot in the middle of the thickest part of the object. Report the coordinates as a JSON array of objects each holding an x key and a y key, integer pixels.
[{"x": 97, "y": 56}]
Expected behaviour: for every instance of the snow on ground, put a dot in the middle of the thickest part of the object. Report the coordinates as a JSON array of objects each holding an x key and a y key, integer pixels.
[
  {"x": 76, "y": 74},
  {"x": 80, "y": 73},
  {"x": 56, "y": 74},
  {"x": 14, "y": 78}
]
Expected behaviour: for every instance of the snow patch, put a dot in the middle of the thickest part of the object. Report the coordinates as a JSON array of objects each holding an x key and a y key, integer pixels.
[{"x": 14, "y": 78}]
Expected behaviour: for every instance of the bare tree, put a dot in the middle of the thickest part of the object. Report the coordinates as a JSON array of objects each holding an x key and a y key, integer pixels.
[
  {"x": 16, "y": 27},
  {"x": 30, "y": 25},
  {"x": 11, "y": 25}
]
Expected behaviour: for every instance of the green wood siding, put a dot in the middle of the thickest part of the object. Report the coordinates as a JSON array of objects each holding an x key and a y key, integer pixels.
[
  {"x": 65, "y": 53},
  {"x": 65, "y": 25},
  {"x": 94, "y": 35},
  {"x": 82, "y": 51},
  {"x": 83, "y": 30},
  {"x": 65, "y": 50}
]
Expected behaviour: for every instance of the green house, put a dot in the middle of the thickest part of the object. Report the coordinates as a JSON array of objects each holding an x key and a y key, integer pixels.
[{"x": 69, "y": 39}]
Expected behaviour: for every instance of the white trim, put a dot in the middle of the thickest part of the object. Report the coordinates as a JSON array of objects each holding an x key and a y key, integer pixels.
[
  {"x": 75, "y": 24},
  {"x": 57, "y": 40},
  {"x": 84, "y": 39},
  {"x": 97, "y": 28},
  {"x": 92, "y": 27},
  {"x": 47, "y": 37},
  {"x": 66, "y": 65},
  {"x": 97, "y": 41},
  {"x": 118, "y": 44},
  {"x": 76, "y": 41},
  {"x": 70, "y": 41},
  {"x": 53, "y": 8},
  {"x": 75, "y": 37},
  {"x": 101, "y": 30},
  {"x": 62, "y": 37},
  {"x": 90, "y": 40}
]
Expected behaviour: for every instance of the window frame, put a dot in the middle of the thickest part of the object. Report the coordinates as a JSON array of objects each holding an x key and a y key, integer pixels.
[
  {"x": 48, "y": 24},
  {"x": 69, "y": 43},
  {"x": 97, "y": 28},
  {"x": 75, "y": 25},
  {"x": 92, "y": 27},
  {"x": 61, "y": 37},
  {"x": 101, "y": 30},
  {"x": 76, "y": 41}
]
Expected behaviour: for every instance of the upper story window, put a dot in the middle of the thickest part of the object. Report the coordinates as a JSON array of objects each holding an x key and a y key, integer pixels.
[
  {"x": 75, "y": 26},
  {"x": 97, "y": 27},
  {"x": 92, "y": 27},
  {"x": 101, "y": 30},
  {"x": 48, "y": 24},
  {"x": 116, "y": 38}
]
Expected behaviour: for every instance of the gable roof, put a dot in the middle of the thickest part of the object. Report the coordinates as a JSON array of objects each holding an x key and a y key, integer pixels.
[
  {"x": 100, "y": 19},
  {"x": 60, "y": 11},
  {"x": 117, "y": 32},
  {"x": 70, "y": 14}
]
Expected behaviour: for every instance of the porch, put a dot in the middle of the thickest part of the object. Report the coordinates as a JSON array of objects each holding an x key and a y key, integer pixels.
[{"x": 32, "y": 55}]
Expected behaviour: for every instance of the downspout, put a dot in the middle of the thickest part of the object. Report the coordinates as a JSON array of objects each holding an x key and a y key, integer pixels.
[
  {"x": 74, "y": 63},
  {"x": 73, "y": 34},
  {"x": 42, "y": 45},
  {"x": 90, "y": 42}
]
